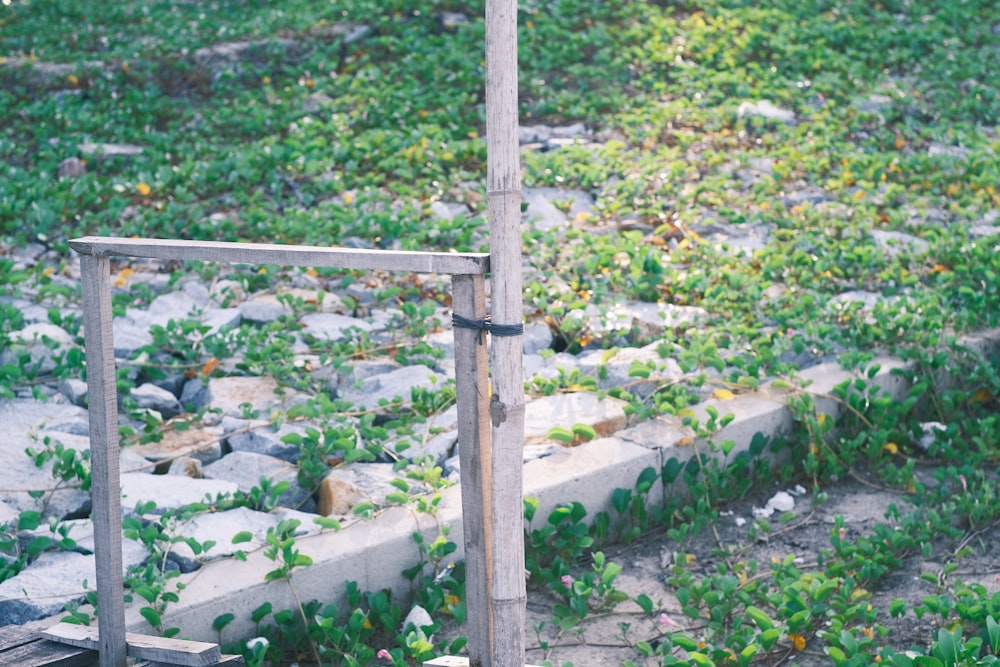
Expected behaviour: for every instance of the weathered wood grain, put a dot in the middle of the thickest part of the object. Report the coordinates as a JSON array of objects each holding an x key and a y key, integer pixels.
[
  {"x": 285, "y": 255},
  {"x": 508, "y": 598},
  {"x": 471, "y": 388},
  {"x": 105, "y": 491},
  {"x": 144, "y": 647}
]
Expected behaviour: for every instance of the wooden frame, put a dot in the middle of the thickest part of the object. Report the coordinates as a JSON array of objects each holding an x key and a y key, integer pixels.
[{"x": 469, "y": 300}]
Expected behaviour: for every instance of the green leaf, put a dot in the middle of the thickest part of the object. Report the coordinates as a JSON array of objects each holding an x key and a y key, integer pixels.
[
  {"x": 260, "y": 612},
  {"x": 242, "y": 536},
  {"x": 645, "y": 603},
  {"x": 584, "y": 431},
  {"x": 152, "y": 616},
  {"x": 223, "y": 620},
  {"x": 897, "y": 607},
  {"x": 760, "y": 617},
  {"x": 769, "y": 637},
  {"x": 327, "y": 522},
  {"x": 560, "y": 434},
  {"x": 700, "y": 659}
]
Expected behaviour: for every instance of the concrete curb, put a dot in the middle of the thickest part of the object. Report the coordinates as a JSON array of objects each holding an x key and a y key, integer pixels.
[{"x": 374, "y": 553}]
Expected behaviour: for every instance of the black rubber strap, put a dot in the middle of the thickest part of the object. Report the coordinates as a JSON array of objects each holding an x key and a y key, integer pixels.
[{"x": 486, "y": 325}]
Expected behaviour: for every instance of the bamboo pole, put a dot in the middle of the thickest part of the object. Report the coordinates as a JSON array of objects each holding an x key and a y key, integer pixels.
[
  {"x": 105, "y": 491},
  {"x": 503, "y": 187}
]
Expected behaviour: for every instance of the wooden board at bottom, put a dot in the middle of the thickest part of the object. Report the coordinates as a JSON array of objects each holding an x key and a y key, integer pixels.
[
  {"x": 25, "y": 648},
  {"x": 160, "y": 649}
]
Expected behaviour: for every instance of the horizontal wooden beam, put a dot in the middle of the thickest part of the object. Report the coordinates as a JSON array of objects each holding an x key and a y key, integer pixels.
[
  {"x": 145, "y": 647},
  {"x": 450, "y": 263}
]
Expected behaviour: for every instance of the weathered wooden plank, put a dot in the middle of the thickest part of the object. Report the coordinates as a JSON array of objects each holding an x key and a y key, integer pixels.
[
  {"x": 104, "y": 452},
  {"x": 15, "y": 635},
  {"x": 144, "y": 647},
  {"x": 226, "y": 661},
  {"x": 20, "y": 646},
  {"x": 48, "y": 654},
  {"x": 286, "y": 255},
  {"x": 508, "y": 598},
  {"x": 471, "y": 389}
]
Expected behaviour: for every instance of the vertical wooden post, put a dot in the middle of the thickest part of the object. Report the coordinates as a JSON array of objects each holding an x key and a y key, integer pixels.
[
  {"x": 503, "y": 188},
  {"x": 471, "y": 388},
  {"x": 105, "y": 491}
]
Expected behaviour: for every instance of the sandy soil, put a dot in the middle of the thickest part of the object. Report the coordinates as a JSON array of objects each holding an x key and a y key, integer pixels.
[{"x": 599, "y": 640}]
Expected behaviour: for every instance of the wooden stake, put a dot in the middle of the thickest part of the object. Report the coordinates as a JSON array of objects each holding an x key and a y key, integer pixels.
[
  {"x": 105, "y": 490},
  {"x": 503, "y": 188},
  {"x": 471, "y": 388}
]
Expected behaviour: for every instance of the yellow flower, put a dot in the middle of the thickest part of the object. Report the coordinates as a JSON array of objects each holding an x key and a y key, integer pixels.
[
  {"x": 143, "y": 188},
  {"x": 798, "y": 642}
]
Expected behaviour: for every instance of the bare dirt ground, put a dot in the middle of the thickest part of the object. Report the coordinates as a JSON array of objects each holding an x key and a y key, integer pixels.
[{"x": 600, "y": 640}]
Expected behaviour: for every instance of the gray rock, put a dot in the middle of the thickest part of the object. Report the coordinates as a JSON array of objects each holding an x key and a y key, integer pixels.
[
  {"x": 549, "y": 367},
  {"x": 808, "y": 195},
  {"x": 645, "y": 319},
  {"x": 537, "y": 337},
  {"x": 938, "y": 150},
  {"x": 226, "y": 53},
  {"x": 448, "y": 210},
  {"x": 868, "y": 300},
  {"x": 129, "y": 336},
  {"x": 221, "y": 528},
  {"x": 150, "y": 397},
  {"x": 133, "y": 553},
  {"x": 452, "y": 20},
  {"x": 332, "y": 326},
  {"x": 234, "y": 395},
  {"x": 261, "y": 312},
  {"x": 349, "y": 32},
  {"x": 186, "y": 466},
  {"x": 873, "y": 103},
  {"x": 259, "y": 437},
  {"x": 71, "y": 167},
  {"x": 435, "y": 437},
  {"x": 110, "y": 150},
  {"x": 31, "y": 312},
  {"x": 246, "y": 469},
  {"x": 766, "y": 110},
  {"x": 618, "y": 367},
  {"x": 373, "y": 480},
  {"x": 352, "y": 374},
  {"x": 75, "y": 391},
  {"x": 42, "y": 590},
  {"x": 547, "y": 137},
  {"x": 195, "y": 395},
  {"x": 396, "y": 384},
  {"x": 45, "y": 344},
  {"x": 217, "y": 319},
  {"x": 170, "y": 491},
  {"x": 543, "y": 214},
  {"x": 8, "y": 515},
  {"x": 895, "y": 243}
]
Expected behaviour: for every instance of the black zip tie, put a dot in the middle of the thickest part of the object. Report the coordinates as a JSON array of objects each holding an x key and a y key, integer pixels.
[{"x": 487, "y": 326}]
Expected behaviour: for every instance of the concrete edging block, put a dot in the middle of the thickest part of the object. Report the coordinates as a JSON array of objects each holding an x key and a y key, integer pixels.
[{"x": 589, "y": 474}]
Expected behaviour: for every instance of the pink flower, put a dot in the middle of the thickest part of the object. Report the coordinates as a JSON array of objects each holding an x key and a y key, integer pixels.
[
  {"x": 383, "y": 655},
  {"x": 843, "y": 533},
  {"x": 965, "y": 486},
  {"x": 567, "y": 580},
  {"x": 667, "y": 621}
]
